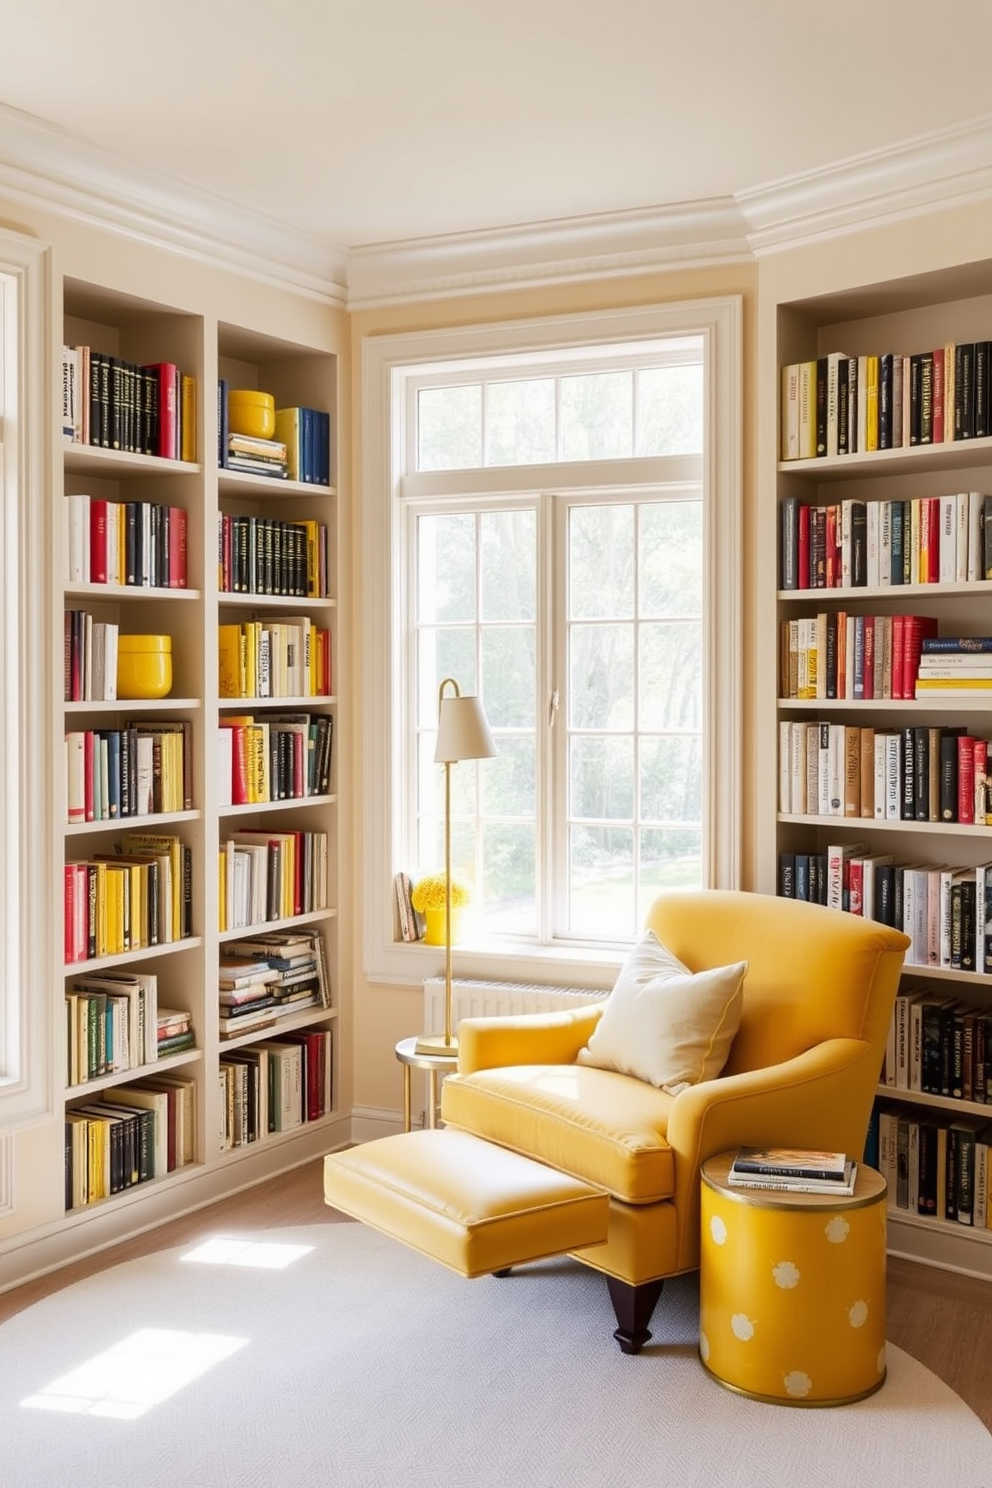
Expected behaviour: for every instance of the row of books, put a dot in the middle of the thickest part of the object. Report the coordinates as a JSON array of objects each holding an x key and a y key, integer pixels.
[
  {"x": 145, "y": 408},
  {"x": 410, "y": 923},
  {"x": 275, "y": 1085},
  {"x": 106, "y": 1032},
  {"x": 142, "y": 769},
  {"x": 271, "y": 875},
  {"x": 275, "y": 758},
  {"x": 839, "y": 404},
  {"x": 933, "y": 1166},
  {"x": 793, "y": 1169},
  {"x": 299, "y": 451},
  {"x": 131, "y": 1134},
  {"x": 854, "y": 658},
  {"x": 939, "y": 1044},
  {"x": 854, "y": 544},
  {"x": 288, "y": 656},
  {"x": 264, "y": 555},
  {"x": 268, "y": 977},
  {"x": 913, "y": 773},
  {"x": 137, "y": 543},
  {"x": 89, "y": 658},
  {"x": 111, "y": 1024},
  {"x": 139, "y": 895},
  {"x": 946, "y": 911}
]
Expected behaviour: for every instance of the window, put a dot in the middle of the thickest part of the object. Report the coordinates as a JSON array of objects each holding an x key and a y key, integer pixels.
[
  {"x": 561, "y": 524},
  {"x": 29, "y": 905}
]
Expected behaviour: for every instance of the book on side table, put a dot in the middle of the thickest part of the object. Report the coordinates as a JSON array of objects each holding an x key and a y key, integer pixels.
[{"x": 794, "y": 1169}]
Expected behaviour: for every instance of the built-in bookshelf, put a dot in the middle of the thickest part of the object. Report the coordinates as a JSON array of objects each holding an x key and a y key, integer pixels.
[
  {"x": 871, "y": 758},
  {"x": 158, "y": 1088}
]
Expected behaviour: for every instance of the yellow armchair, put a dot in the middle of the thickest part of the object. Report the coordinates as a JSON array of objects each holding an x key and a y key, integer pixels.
[{"x": 802, "y": 1071}]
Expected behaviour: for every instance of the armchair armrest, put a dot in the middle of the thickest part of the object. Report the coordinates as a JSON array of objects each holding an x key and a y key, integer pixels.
[
  {"x": 821, "y": 1098},
  {"x": 525, "y": 1038}
]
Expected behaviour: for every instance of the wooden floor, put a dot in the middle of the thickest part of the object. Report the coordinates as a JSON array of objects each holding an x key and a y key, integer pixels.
[{"x": 942, "y": 1319}]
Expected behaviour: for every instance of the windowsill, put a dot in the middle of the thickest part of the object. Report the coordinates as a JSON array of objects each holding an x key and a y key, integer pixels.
[{"x": 593, "y": 966}]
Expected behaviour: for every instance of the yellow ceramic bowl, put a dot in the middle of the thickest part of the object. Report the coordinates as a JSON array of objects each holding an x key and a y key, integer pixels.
[
  {"x": 251, "y": 412},
  {"x": 144, "y": 666}
]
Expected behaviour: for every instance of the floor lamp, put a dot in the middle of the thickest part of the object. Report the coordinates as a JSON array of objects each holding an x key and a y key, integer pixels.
[{"x": 462, "y": 734}]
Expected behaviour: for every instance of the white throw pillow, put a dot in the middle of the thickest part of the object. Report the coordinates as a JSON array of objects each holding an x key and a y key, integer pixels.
[{"x": 664, "y": 1023}]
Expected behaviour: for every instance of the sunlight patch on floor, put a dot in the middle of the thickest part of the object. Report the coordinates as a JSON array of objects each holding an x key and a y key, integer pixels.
[
  {"x": 136, "y": 1374},
  {"x": 228, "y": 1251}
]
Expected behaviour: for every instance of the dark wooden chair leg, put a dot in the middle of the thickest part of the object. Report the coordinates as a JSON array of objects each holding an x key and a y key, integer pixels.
[{"x": 633, "y": 1306}]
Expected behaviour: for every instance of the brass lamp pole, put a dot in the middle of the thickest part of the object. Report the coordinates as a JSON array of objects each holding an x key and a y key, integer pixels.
[{"x": 462, "y": 734}]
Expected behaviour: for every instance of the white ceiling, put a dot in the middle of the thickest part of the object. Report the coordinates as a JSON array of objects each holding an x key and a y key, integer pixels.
[{"x": 359, "y": 122}]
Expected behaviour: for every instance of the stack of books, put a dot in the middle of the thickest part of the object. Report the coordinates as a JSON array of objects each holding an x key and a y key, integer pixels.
[
  {"x": 256, "y": 456},
  {"x": 267, "y": 977},
  {"x": 793, "y": 1169},
  {"x": 951, "y": 666}
]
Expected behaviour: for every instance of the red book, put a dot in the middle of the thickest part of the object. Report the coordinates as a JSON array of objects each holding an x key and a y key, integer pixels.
[
  {"x": 167, "y": 442},
  {"x": 833, "y": 548},
  {"x": 177, "y": 547},
  {"x": 804, "y": 521},
  {"x": 856, "y": 881},
  {"x": 898, "y": 654},
  {"x": 980, "y": 795},
  {"x": 98, "y": 541},
  {"x": 239, "y": 766},
  {"x": 966, "y": 779},
  {"x": 916, "y": 629}
]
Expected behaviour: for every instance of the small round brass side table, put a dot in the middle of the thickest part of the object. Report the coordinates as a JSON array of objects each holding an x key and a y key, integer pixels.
[
  {"x": 792, "y": 1289},
  {"x": 434, "y": 1064}
]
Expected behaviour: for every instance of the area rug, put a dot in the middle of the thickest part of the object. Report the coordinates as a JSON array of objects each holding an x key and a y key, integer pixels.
[{"x": 329, "y": 1356}]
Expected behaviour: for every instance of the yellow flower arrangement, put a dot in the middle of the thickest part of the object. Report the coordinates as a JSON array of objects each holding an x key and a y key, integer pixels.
[{"x": 428, "y": 893}]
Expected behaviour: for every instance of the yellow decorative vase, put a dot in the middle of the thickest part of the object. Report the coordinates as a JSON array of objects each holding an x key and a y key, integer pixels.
[{"x": 434, "y": 934}]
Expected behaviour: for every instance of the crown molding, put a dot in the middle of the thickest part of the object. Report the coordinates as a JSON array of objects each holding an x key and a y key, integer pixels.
[
  {"x": 943, "y": 169},
  {"x": 44, "y": 166},
  {"x": 609, "y": 245}
]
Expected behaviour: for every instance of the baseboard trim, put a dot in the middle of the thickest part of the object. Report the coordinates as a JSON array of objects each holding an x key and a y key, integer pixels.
[
  {"x": 80, "y": 1234},
  {"x": 934, "y": 1243},
  {"x": 369, "y": 1122}
]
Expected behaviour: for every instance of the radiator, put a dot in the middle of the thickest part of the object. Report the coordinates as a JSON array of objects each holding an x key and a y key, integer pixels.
[{"x": 488, "y": 999}]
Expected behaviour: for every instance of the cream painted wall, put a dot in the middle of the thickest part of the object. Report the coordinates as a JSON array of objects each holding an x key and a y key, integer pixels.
[{"x": 382, "y": 1015}]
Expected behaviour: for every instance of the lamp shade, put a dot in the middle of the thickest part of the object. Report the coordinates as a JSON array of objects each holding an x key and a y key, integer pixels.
[{"x": 462, "y": 731}]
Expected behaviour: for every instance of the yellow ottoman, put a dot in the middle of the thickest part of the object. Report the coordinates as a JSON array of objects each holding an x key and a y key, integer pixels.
[
  {"x": 473, "y": 1206},
  {"x": 792, "y": 1289}
]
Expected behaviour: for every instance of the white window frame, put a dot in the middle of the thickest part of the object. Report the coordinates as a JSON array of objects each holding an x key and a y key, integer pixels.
[
  {"x": 30, "y": 888},
  {"x": 385, "y": 450}
]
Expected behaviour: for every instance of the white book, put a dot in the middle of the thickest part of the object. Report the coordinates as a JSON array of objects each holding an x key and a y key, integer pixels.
[
  {"x": 947, "y": 566},
  {"x": 77, "y": 508},
  {"x": 893, "y": 777},
  {"x": 144, "y": 806},
  {"x": 961, "y": 544},
  {"x": 812, "y": 791},
  {"x": 914, "y": 1165},
  {"x": 983, "y": 914},
  {"x": 75, "y": 776},
  {"x": 70, "y": 392},
  {"x": 873, "y": 543}
]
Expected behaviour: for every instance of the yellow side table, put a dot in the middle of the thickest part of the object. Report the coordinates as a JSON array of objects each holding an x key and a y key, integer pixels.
[{"x": 792, "y": 1289}]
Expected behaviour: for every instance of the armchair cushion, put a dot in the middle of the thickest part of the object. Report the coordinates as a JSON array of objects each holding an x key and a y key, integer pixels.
[
  {"x": 665, "y": 1024},
  {"x": 594, "y": 1124}
]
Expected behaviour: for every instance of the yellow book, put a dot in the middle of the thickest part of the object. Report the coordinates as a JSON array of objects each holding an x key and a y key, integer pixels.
[
  {"x": 187, "y": 413},
  {"x": 871, "y": 403},
  {"x": 229, "y": 657},
  {"x": 288, "y": 430}
]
